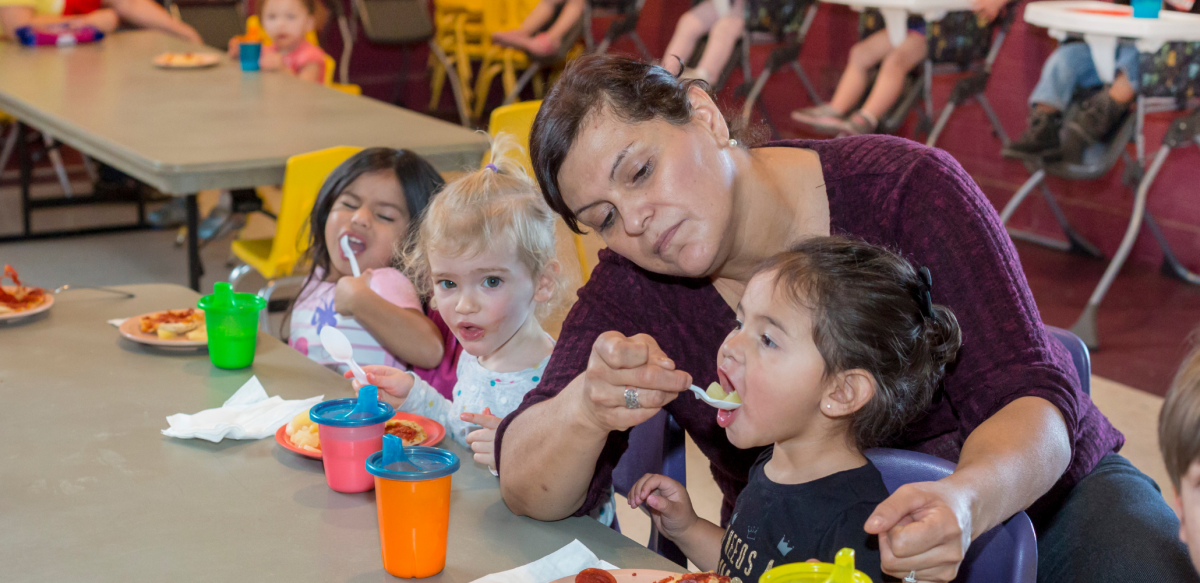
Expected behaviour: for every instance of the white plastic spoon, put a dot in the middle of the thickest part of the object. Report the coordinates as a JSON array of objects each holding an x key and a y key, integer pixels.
[
  {"x": 349, "y": 255},
  {"x": 726, "y": 405},
  {"x": 338, "y": 347}
]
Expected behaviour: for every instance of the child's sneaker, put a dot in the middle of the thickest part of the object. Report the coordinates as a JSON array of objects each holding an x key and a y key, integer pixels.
[
  {"x": 1096, "y": 118},
  {"x": 821, "y": 118},
  {"x": 543, "y": 45},
  {"x": 1040, "y": 138},
  {"x": 859, "y": 123}
]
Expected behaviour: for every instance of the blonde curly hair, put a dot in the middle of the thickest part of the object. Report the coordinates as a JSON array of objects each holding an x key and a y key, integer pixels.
[{"x": 476, "y": 211}]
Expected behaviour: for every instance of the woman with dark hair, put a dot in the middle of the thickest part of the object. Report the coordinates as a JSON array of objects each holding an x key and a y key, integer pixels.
[
  {"x": 373, "y": 200},
  {"x": 688, "y": 214}
]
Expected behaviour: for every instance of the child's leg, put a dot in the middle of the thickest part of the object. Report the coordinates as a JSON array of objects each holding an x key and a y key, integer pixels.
[
  {"x": 539, "y": 17},
  {"x": 1068, "y": 69},
  {"x": 721, "y": 41},
  {"x": 895, "y": 67},
  {"x": 571, "y": 13},
  {"x": 691, "y": 26},
  {"x": 865, "y": 54}
]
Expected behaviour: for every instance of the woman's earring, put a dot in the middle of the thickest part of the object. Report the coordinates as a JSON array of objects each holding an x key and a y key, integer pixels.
[
  {"x": 732, "y": 143},
  {"x": 827, "y": 406}
]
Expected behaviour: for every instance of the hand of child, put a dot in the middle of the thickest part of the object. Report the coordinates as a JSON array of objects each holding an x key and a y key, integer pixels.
[
  {"x": 271, "y": 60},
  {"x": 670, "y": 506},
  {"x": 349, "y": 289},
  {"x": 235, "y": 48},
  {"x": 394, "y": 382},
  {"x": 483, "y": 441},
  {"x": 105, "y": 20}
]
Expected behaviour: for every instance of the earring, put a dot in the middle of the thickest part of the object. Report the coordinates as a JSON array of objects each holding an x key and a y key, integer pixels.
[
  {"x": 828, "y": 406},
  {"x": 733, "y": 143}
]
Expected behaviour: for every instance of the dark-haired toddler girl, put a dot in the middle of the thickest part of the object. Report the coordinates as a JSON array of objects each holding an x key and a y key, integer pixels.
[
  {"x": 374, "y": 198},
  {"x": 837, "y": 348}
]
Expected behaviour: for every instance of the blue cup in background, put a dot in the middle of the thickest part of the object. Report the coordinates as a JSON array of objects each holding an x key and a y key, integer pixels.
[
  {"x": 1146, "y": 8},
  {"x": 249, "y": 54}
]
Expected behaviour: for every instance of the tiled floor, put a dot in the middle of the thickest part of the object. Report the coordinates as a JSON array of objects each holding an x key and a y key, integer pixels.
[{"x": 1133, "y": 412}]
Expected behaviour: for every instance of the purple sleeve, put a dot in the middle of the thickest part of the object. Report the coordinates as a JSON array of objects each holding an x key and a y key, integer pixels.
[
  {"x": 594, "y": 313},
  {"x": 1006, "y": 352}
]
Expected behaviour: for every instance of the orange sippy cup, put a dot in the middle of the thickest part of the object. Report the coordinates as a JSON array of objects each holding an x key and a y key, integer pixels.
[{"x": 412, "y": 497}]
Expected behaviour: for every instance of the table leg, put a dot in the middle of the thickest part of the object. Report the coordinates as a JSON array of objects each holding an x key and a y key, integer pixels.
[
  {"x": 896, "y": 21},
  {"x": 195, "y": 268},
  {"x": 1104, "y": 55}
]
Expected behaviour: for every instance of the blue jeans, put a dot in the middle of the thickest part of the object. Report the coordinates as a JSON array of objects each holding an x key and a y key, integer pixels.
[
  {"x": 1070, "y": 68},
  {"x": 1114, "y": 527}
]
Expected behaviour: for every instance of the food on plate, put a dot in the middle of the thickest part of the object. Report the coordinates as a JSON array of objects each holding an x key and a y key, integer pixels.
[
  {"x": 171, "y": 324},
  {"x": 715, "y": 391},
  {"x": 706, "y": 577},
  {"x": 303, "y": 433},
  {"x": 19, "y": 298},
  {"x": 410, "y": 432},
  {"x": 186, "y": 59},
  {"x": 595, "y": 576}
]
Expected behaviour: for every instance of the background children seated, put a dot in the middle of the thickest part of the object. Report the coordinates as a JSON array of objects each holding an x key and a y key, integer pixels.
[
  {"x": 485, "y": 252},
  {"x": 1068, "y": 70},
  {"x": 1179, "y": 440},
  {"x": 105, "y": 15},
  {"x": 287, "y": 23},
  {"x": 838, "y": 347},
  {"x": 838, "y": 116},
  {"x": 543, "y": 44},
  {"x": 375, "y": 198},
  {"x": 722, "y": 23}
]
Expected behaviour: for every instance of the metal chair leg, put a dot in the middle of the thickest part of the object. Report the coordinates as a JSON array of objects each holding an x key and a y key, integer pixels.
[
  {"x": 1085, "y": 327},
  {"x": 942, "y": 120},
  {"x": 512, "y": 96},
  {"x": 992, "y": 117},
  {"x": 752, "y": 96},
  {"x": 1171, "y": 265},
  {"x": 1020, "y": 195},
  {"x": 10, "y": 143},
  {"x": 59, "y": 168},
  {"x": 808, "y": 84},
  {"x": 460, "y": 100},
  {"x": 641, "y": 46}
]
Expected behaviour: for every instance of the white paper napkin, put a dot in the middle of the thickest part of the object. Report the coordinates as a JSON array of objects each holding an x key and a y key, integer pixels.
[
  {"x": 248, "y": 414},
  {"x": 564, "y": 562},
  {"x": 116, "y": 322}
]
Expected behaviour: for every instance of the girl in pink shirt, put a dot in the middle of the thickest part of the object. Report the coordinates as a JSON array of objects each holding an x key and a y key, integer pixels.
[{"x": 287, "y": 23}]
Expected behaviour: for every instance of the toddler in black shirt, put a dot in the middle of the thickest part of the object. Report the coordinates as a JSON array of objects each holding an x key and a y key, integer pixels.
[{"x": 838, "y": 347}]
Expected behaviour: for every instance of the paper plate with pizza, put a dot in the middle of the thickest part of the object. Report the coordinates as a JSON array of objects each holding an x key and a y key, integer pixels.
[
  {"x": 641, "y": 576},
  {"x": 186, "y": 60},
  {"x": 300, "y": 434},
  {"x": 170, "y": 328},
  {"x": 20, "y": 301}
]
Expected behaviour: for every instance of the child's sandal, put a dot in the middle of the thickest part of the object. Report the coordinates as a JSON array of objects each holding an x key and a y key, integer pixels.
[{"x": 821, "y": 118}]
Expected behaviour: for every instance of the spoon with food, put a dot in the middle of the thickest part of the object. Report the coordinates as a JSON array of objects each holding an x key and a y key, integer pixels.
[{"x": 717, "y": 397}]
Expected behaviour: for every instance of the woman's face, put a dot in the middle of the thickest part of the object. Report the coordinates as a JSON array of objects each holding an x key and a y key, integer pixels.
[{"x": 658, "y": 194}]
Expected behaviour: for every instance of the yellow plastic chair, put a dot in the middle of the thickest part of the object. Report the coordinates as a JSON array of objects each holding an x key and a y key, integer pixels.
[
  {"x": 302, "y": 180},
  {"x": 517, "y": 120}
]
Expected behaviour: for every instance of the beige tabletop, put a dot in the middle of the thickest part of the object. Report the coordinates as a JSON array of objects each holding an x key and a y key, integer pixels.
[
  {"x": 183, "y": 131},
  {"x": 90, "y": 490}
]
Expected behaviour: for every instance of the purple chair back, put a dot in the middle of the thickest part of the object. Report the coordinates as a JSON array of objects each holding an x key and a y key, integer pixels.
[
  {"x": 1005, "y": 554},
  {"x": 1079, "y": 355},
  {"x": 655, "y": 447}
]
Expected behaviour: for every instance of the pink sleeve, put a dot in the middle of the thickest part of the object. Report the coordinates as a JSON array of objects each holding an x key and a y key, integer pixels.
[{"x": 392, "y": 286}]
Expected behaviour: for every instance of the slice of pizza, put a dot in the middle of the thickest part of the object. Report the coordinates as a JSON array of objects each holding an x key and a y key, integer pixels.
[
  {"x": 706, "y": 577},
  {"x": 410, "y": 432}
]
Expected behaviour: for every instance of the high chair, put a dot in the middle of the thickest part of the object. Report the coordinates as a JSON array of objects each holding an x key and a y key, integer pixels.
[
  {"x": 957, "y": 43},
  {"x": 277, "y": 257},
  {"x": 782, "y": 22},
  {"x": 517, "y": 120},
  {"x": 624, "y": 14},
  {"x": 1169, "y": 83}
]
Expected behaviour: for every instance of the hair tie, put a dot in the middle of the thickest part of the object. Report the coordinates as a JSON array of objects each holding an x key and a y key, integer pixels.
[
  {"x": 492, "y": 167},
  {"x": 925, "y": 293}
]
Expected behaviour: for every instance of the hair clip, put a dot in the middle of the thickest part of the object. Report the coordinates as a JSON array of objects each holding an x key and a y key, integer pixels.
[
  {"x": 492, "y": 167},
  {"x": 925, "y": 293}
]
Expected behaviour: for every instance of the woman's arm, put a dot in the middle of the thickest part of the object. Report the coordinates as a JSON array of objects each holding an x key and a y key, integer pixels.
[
  {"x": 147, "y": 14},
  {"x": 550, "y": 450},
  {"x": 403, "y": 331},
  {"x": 1007, "y": 463}
]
